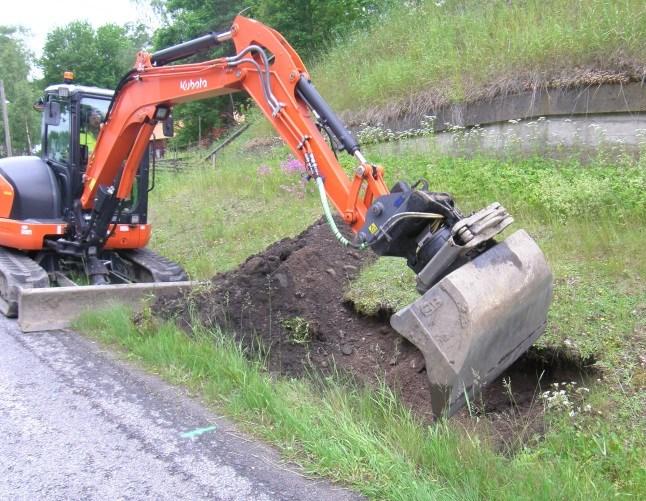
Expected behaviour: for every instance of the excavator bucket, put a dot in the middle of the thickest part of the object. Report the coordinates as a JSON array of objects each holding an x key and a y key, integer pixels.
[{"x": 476, "y": 321}]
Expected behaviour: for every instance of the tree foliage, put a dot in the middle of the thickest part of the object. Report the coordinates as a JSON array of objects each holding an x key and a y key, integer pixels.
[
  {"x": 15, "y": 66},
  {"x": 100, "y": 57},
  {"x": 97, "y": 57},
  {"x": 183, "y": 21},
  {"x": 309, "y": 25}
]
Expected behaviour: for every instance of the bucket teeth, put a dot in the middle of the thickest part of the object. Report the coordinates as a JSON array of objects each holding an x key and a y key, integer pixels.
[{"x": 476, "y": 321}]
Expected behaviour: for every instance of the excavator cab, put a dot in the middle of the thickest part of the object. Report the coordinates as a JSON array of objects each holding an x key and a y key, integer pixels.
[
  {"x": 41, "y": 217},
  {"x": 72, "y": 118}
]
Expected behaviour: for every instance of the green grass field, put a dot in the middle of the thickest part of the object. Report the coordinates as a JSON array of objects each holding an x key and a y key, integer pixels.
[{"x": 210, "y": 220}]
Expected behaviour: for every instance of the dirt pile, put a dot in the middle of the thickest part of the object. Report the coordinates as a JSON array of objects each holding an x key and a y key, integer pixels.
[{"x": 289, "y": 300}]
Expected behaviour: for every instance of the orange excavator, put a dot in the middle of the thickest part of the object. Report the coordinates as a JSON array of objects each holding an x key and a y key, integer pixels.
[{"x": 74, "y": 213}]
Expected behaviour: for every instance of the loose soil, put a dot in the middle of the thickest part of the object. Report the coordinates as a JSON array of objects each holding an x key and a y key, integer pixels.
[{"x": 289, "y": 301}]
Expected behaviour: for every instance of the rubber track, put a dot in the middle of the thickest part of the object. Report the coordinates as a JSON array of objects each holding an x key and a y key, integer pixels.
[
  {"x": 17, "y": 271},
  {"x": 162, "y": 269}
]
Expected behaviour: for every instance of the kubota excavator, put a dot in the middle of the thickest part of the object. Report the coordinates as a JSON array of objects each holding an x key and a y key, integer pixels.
[{"x": 63, "y": 215}]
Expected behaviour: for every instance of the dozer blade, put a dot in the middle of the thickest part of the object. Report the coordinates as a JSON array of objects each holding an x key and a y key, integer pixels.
[
  {"x": 479, "y": 319},
  {"x": 51, "y": 308}
]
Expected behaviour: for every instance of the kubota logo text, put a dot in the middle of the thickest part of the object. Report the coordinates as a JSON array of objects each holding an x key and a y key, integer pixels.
[{"x": 193, "y": 84}]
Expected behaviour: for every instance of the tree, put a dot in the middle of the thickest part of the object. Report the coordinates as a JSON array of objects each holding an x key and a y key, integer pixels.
[
  {"x": 187, "y": 19},
  {"x": 310, "y": 25},
  {"x": 98, "y": 58},
  {"x": 15, "y": 66}
]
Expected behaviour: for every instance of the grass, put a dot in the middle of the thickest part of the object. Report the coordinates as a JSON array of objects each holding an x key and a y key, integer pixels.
[
  {"x": 461, "y": 49},
  {"x": 588, "y": 219},
  {"x": 365, "y": 438},
  {"x": 212, "y": 218}
]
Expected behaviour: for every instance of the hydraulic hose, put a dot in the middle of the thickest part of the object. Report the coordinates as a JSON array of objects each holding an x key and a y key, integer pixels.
[
  {"x": 315, "y": 101},
  {"x": 264, "y": 76},
  {"x": 328, "y": 216}
]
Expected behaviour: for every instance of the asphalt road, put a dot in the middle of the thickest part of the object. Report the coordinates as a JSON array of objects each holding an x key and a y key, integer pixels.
[{"x": 78, "y": 423}]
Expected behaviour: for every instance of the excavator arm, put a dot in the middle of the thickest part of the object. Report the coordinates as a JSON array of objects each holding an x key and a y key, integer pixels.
[
  {"x": 482, "y": 303},
  {"x": 265, "y": 67}
]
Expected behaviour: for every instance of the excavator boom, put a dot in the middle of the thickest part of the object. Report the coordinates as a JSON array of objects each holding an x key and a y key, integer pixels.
[{"x": 482, "y": 303}]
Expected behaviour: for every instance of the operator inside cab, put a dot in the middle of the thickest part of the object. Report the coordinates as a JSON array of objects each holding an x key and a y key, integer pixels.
[{"x": 90, "y": 125}]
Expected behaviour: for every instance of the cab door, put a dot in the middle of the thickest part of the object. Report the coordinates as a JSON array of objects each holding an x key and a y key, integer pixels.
[{"x": 58, "y": 147}]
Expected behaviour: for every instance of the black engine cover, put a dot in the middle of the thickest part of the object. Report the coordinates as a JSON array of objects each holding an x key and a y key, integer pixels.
[{"x": 36, "y": 192}]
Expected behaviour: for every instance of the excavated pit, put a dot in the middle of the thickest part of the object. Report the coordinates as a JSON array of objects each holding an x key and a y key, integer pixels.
[{"x": 289, "y": 301}]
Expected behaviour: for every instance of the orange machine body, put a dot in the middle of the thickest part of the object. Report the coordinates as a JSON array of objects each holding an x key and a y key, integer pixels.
[{"x": 30, "y": 235}]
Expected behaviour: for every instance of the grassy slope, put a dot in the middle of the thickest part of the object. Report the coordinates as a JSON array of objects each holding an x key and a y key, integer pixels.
[
  {"x": 210, "y": 220},
  {"x": 468, "y": 47},
  {"x": 589, "y": 221}
]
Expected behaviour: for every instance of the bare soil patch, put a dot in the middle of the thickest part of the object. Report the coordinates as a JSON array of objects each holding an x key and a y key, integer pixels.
[{"x": 289, "y": 302}]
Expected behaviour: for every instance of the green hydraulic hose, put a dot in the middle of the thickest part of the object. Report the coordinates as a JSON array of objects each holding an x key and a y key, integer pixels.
[{"x": 328, "y": 216}]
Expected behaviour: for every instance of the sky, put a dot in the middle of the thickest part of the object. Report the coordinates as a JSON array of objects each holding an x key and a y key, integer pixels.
[{"x": 41, "y": 16}]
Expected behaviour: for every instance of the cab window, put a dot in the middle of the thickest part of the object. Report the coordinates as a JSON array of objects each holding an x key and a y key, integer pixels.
[
  {"x": 58, "y": 136},
  {"x": 93, "y": 112}
]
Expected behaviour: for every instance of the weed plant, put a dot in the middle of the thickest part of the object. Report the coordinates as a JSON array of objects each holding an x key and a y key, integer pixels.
[{"x": 298, "y": 330}]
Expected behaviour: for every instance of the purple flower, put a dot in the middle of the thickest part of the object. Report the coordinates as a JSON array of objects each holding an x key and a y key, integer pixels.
[
  {"x": 264, "y": 170},
  {"x": 292, "y": 165}
]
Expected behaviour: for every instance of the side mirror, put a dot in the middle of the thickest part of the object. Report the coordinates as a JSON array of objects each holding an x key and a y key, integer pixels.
[
  {"x": 39, "y": 105},
  {"x": 168, "y": 127},
  {"x": 52, "y": 113}
]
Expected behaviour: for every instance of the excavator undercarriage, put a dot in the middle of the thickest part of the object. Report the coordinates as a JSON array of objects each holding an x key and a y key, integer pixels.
[
  {"x": 79, "y": 213},
  {"x": 48, "y": 291}
]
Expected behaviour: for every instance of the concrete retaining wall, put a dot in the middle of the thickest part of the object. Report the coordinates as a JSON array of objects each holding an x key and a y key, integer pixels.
[{"x": 586, "y": 118}]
